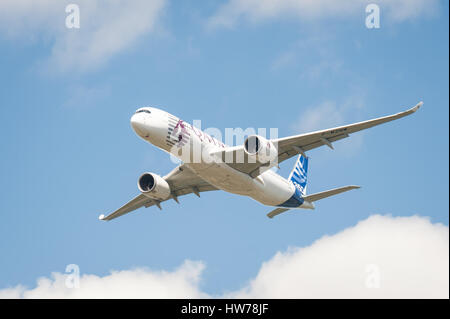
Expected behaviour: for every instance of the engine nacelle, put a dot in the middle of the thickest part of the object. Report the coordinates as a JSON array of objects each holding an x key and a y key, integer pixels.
[
  {"x": 260, "y": 149},
  {"x": 153, "y": 186}
]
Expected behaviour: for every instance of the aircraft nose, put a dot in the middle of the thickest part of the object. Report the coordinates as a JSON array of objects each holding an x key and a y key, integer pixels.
[{"x": 138, "y": 124}]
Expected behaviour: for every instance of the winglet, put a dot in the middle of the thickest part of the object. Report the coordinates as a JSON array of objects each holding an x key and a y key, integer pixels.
[
  {"x": 415, "y": 108},
  {"x": 277, "y": 211}
]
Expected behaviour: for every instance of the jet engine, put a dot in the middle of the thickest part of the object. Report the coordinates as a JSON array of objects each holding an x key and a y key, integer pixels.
[
  {"x": 153, "y": 186},
  {"x": 260, "y": 149}
]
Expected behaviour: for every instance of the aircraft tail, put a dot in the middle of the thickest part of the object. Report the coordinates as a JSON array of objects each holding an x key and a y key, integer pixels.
[
  {"x": 310, "y": 199},
  {"x": 298, "y": 178},
  {"x": 299, "y": 173},
  {"x": 318, "y": 196}
]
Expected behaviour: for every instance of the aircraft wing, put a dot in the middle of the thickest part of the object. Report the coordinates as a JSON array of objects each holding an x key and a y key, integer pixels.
[
  {"x": 182, "y": 181},
  {"x": 293, "y": 145}
]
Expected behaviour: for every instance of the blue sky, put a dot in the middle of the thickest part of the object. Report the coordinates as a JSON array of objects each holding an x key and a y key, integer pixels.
[{"x": 69, "y": 153}]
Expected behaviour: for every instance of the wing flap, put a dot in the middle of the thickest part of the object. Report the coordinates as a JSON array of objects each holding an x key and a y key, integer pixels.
[{"x": 238, "y": 159}]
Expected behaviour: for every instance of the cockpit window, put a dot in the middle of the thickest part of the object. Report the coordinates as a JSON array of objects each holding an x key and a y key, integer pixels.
[{"x": 145, "y": 111}]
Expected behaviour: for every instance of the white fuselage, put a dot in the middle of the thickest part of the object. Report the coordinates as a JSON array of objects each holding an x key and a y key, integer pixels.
[{"x": 194, "y": 147}]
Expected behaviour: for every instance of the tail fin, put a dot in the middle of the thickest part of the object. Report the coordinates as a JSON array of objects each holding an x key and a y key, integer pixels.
[{"x": 298, "y": 176}]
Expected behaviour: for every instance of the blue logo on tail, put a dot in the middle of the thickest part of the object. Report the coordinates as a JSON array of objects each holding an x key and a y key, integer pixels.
[{"x": 298, "y": 175}]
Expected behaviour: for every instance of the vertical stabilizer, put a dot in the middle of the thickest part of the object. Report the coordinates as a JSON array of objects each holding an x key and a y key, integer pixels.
[{"x": 298, "y": 176}]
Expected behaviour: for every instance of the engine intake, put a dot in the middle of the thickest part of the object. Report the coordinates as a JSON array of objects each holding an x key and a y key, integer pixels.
[
  {"x": 153, "y": 186},
  {"x": 260, "y": 149}
]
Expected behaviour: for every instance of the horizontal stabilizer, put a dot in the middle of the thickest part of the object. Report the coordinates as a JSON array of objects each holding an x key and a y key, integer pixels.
[
  {"x": 276, "y": 212},
  {"x": 331, "y": 192}
]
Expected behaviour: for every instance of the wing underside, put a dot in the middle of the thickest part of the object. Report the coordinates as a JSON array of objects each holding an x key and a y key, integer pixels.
[
  {"x": 182, "y": 181},
  {"x": 299, "y": 144}
]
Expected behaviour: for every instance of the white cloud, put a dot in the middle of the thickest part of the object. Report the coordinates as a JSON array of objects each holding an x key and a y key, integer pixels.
[
  {"x": 85, "y": 96},
  {"x": 325, "y": 115},
  {"x": 409, "y": 254},
  {"x": 138, "y": 283},
  {"x": 380, "y": 257},
  {"x": 328, "y": 114},
  {"x": 314, "y": 58},
  {"x": 306, "y": 10},
  {"x": 107, "y": 27}
]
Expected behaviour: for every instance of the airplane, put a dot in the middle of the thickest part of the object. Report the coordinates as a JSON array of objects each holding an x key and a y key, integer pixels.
[{"x": 207, "y": 164}]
